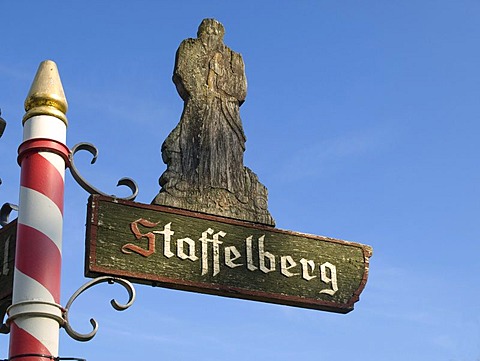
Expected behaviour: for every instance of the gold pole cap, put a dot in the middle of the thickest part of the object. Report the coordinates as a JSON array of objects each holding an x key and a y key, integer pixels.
[{"x": 46, "y": 96}]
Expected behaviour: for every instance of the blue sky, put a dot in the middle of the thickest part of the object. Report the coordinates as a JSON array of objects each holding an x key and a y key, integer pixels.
[{"x": 362, "y": 119}]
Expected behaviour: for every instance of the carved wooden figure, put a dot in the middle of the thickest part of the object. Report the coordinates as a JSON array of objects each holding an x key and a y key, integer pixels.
[{"x": 204, "y": 153}]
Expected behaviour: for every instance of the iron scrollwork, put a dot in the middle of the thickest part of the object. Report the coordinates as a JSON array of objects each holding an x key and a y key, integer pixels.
[
  {"x": 4, "y": 304},
  {"x": 130, "y": 183},
  {"x": 117, "y": 306},
  {"x": 5, "y": 211}
]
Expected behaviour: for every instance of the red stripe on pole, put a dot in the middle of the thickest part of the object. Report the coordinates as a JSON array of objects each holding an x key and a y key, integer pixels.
[
  {"x": 36, "y": 145},
  {"x": 40, "y": 175},
  {"x": 24, "y": 344},
  {"x": 40, "y": 259}
]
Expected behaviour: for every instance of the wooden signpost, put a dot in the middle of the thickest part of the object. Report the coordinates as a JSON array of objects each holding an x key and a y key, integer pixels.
[
  {"x": 7, "y": 264},
  {"x": 7, "y": 257},
  {"x": 209, "y": 229},
  {"x": 190, "y": 251}
]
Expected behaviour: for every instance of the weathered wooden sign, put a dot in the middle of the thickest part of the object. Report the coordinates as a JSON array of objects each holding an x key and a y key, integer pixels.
[
  {"x": 190, "y": 251},
  {"x": 8, "y": 236}
]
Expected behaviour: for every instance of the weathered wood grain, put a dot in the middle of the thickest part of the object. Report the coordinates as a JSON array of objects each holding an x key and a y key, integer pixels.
[
  {"x": 204, "y": 153},
  {"x": 8, "y": 235},
  {"x": 116, "y": 247}
]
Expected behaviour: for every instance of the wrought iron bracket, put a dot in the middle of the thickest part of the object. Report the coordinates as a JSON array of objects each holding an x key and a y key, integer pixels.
[
  {"x": 3, "y": 311},
  {"x": 130, "y": 183},
  {"x": 5, "y": 211},
  {"x": 117, "y": 306}
]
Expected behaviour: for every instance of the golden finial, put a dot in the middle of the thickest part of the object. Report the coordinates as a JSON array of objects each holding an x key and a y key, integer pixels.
[{"x": 46, "y": 96}]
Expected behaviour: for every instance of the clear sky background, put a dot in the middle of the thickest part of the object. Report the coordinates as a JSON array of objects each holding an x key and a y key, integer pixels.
[{"x": 362, "y": 119}]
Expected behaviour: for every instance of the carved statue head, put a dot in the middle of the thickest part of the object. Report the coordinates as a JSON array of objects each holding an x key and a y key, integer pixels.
[{"x": 211, "y": 29}]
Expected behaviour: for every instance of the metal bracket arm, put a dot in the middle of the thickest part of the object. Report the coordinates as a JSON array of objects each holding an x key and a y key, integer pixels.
[
  {"x": 130, "y": 183},
  {"x": 117, "y": 306}
]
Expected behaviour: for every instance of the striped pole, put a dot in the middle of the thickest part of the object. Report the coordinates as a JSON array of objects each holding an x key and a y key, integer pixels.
[{"x": 36, "y": 315}]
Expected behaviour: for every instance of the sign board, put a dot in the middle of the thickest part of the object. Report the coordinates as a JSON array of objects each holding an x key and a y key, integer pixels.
[
  {"x": 183, "y": 250},
  {"x": 8, "y": 235}
]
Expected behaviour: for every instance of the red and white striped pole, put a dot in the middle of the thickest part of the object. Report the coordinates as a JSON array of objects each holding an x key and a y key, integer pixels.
[{"x": 35, "y": 316}]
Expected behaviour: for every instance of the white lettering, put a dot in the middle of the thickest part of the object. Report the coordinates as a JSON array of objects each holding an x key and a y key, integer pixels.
[
  {"x": 305, "y": 265},
  {"x": 191, "y": 249},
  {"x": 262, "y": 255},
  {"x": 332, "y": 279},
  {"x": 250, "y": 265},
  {"x": 286, "y": 263},
  {"x": 229, "y": 260},
  {"x": 186, "y": 249},
  {"x": 216, "y": 250},
  {"x": 167, "y": 234}
]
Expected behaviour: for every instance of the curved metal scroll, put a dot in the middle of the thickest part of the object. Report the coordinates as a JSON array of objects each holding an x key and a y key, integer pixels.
[
  {"x": 5, "y": 211},
  {"x": 118, "y": 306},
  {"x": 130, "y": 183},
  {"x": 3, "y": 311}
]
